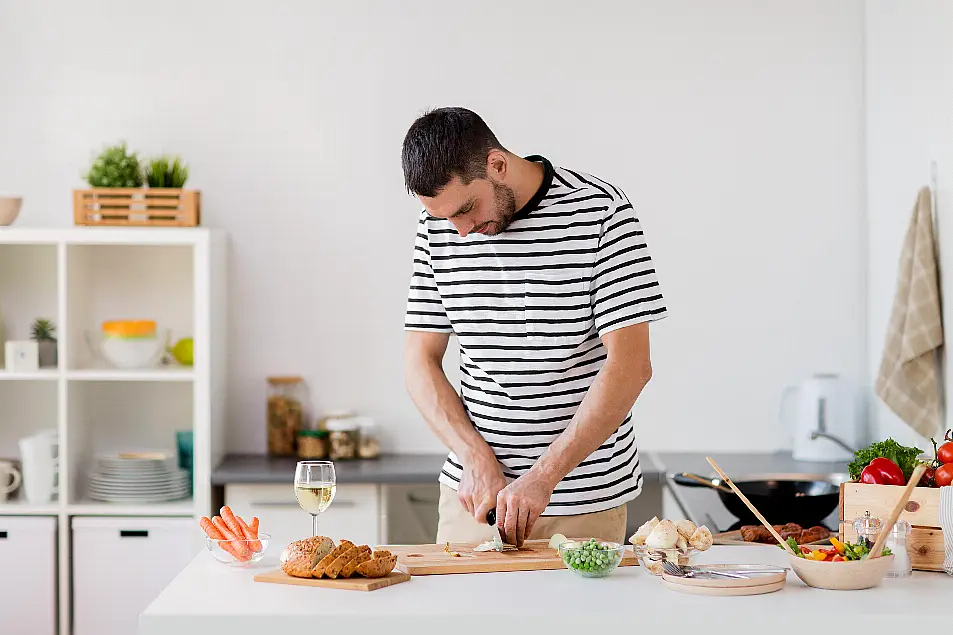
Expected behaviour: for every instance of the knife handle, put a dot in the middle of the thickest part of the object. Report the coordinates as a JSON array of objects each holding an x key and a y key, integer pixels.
[{"x": 491, "y": 517}]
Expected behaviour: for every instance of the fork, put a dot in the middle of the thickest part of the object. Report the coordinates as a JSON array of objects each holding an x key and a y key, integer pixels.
[{"x": 675, "y": 569}]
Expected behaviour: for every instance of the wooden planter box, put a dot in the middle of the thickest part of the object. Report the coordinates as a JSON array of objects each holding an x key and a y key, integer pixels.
[
  {"x": 925, "y": 542},
  {"x": 150, "y": 207}
]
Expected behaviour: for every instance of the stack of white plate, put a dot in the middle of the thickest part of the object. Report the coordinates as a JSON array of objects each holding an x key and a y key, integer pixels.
[{"x": 138, "y": 478}]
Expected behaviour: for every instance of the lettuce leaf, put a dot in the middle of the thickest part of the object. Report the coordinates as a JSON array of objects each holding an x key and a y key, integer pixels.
[{"x": 904, "y": 457}]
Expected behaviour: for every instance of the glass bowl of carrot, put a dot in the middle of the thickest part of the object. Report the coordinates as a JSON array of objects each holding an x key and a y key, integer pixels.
[{"x": 233, "y": 541}]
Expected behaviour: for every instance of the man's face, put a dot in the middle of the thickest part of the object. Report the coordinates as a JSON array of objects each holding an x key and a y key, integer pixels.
[{"x": 484, "y": 206}]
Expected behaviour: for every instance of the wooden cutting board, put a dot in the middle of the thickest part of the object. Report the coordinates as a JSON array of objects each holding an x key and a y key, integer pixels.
[
  {"x": 534, "y": 555},
  {"x": 349, "y": 584}
]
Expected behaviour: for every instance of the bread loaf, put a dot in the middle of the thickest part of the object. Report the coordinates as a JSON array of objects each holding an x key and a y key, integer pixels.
[
  {"x": 300, "y": 557},
  {"x": 379, "y": 566},
  {"x": 318, "y": 570}
]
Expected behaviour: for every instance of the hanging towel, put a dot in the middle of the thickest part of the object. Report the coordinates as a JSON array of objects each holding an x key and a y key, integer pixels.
[
  {"x": 908, "y": 381},
  {"x": 946, "y": 524}
]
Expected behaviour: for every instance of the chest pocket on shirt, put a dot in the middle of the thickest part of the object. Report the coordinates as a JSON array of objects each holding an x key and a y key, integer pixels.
[{"x": 558, "y": 307}]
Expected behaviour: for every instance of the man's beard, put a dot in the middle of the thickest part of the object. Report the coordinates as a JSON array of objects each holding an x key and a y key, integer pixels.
[{"x": 504, "y": 206}]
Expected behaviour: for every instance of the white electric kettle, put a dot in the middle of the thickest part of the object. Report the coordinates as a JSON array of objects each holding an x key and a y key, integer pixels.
[{"x": 825, "y": 425}]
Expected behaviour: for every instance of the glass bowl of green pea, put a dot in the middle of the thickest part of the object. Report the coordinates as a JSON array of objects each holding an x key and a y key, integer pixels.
[{"x": 591, "y": 558}]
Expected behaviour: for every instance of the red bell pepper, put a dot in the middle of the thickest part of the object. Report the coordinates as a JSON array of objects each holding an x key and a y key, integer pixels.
[{"x": 882, "y": 471}]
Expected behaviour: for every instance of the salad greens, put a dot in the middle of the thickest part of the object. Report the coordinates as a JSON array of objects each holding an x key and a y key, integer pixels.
[
  {"x": 841, "y": 551},
  {"x": 904, "y": 457}
]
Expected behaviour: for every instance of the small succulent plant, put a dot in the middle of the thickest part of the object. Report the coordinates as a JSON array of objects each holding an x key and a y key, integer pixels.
[
  {"x": 115, "y": 167},
  {"x": 43, "y": 330},
  {"x": 167, "y": 172}
]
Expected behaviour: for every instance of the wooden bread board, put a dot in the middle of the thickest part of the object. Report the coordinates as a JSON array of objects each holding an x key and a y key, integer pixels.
[
  {"x": 349, "y": 584},
  {"x": 534, "y": 555},
  {"x": 734, "y": 538}
]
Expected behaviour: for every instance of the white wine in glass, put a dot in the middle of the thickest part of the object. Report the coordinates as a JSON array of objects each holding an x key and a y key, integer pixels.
[{"x": 315, "y": 485}]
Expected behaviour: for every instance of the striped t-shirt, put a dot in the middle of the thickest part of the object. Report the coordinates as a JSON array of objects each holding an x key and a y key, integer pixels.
[{"x": 528, "y": 307}]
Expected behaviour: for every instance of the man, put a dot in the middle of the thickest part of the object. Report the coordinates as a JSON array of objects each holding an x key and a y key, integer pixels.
[{"x": 543, "y": 275}]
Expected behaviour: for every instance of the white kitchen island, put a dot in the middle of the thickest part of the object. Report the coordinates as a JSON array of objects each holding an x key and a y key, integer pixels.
[{"x": 208, "y": 597}]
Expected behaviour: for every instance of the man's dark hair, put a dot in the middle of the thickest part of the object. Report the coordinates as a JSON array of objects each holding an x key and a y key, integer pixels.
[{"x": 445, "y": 143}]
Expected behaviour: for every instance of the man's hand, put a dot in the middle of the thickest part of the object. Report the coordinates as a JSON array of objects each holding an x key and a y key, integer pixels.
[
  {"x": 482, "y": 481},
  {"x": 519, "y": 505}
]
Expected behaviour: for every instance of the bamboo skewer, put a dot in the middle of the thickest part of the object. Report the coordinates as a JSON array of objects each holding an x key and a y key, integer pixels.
[
  {"x": 753, "y": 509},
  {"x": 877, "y": 550}
]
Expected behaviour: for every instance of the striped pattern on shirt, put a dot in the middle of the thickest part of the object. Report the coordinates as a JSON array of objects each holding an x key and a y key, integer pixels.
[{"x": 528, "y": 308}]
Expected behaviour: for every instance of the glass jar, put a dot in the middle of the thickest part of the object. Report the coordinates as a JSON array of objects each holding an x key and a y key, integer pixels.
[
  {"x": 343, "y": 436},
  {"x": 313, "y": 445},
  {"x": 897, "y": 543},
  {"x": 285, "y": 414},
  {"x": 368, "y": 446}
]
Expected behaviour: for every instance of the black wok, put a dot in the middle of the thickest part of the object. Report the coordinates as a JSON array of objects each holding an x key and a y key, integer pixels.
[{"x": 806, "y": 503}]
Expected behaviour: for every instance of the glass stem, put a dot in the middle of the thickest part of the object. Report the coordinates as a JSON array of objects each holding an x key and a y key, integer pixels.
[{"x": 314, "y": 524}]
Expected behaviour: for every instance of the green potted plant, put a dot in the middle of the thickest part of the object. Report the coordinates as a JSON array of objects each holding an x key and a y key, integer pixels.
[
  {"x": 115, "y": 167},
  {"x": 119, "y": 194},
  {"x": 167, "y": 172},
  {"x": 42, "y": 332}
]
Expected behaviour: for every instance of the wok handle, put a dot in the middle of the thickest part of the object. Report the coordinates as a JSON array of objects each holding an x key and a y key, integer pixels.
[{"x": 693, "y": 480}]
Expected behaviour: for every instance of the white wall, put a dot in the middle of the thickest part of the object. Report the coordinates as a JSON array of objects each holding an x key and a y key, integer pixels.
[
  {"x": 735, "y": 127},
  {"x": 909, "y": 78}
]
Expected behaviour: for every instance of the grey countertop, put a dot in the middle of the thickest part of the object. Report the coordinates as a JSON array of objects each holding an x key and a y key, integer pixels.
[
  {"x": 388, "y": 468},
  {"x": 703, "y": 506},
  {"x": 700, "y": 505}
]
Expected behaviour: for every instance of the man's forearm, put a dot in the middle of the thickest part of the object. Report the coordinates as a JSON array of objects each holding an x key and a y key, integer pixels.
[
  {"x": 441, "y": 408},
  {"x": 608, "y": 401}
]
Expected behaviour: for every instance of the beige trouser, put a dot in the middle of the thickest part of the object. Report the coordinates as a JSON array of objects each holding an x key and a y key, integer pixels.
[{"x": 455, "y": 524}]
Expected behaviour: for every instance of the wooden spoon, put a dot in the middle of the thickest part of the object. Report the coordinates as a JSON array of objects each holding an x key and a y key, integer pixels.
[
  {"x": 877, "y": 550},
  {"x": 754, "y": 511}
]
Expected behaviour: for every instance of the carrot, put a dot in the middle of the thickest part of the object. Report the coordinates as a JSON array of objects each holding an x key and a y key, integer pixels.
[
  {"x": 240, "y": 548},
  {"x": 209, "y": 528},
  {"x": 254, "y": 525},
  {"x": 249, "y": 535},
  {"x": 229, "y": 517},
  {"x": 213, "y": 532}
]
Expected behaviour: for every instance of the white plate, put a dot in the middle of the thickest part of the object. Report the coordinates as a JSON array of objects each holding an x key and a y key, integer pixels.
[
  {"x": 119, "y": 490},
  {"x": 152, "y": 491}
]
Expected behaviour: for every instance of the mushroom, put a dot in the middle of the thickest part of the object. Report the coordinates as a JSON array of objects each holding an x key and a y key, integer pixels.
[
  {"x": 664, "y": 536},
  {"x": 638, "y": 538},
  {"x": 701, "y": 539},
  {"x": 686, "y": 528}
]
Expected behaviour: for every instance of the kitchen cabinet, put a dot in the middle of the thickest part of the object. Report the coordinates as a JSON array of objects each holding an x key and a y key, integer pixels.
[
  {"x": 354, "y": 514},
  {"x": 121, "y": 564},
  {"x": 28, "y": 590}
]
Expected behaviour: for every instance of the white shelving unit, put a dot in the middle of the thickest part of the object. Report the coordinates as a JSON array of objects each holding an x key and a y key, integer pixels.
[{"x": 79, "y": 277}]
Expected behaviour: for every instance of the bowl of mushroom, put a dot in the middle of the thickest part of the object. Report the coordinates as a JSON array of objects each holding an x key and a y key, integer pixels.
[{"x": 659, "y": 540}]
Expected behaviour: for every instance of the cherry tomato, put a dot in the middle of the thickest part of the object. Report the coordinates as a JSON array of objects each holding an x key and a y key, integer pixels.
[
  {"x": 838, "y": 558},
  {"x": 928, "y": 477},
  {"x": 945, "y": 453},
  {"x": 944, "y": 475}
]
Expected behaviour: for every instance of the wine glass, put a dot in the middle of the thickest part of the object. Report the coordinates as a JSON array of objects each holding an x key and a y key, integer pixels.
[{"x": 315, "y": 484}]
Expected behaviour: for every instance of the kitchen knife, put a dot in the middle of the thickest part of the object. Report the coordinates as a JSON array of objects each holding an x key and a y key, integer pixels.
[{"x": 497, "y": 538}]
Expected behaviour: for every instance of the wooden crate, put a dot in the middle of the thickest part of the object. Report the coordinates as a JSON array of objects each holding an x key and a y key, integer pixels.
[
  {"x": 146, "y": 207},
  {"x": 925, "y": 542}
]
